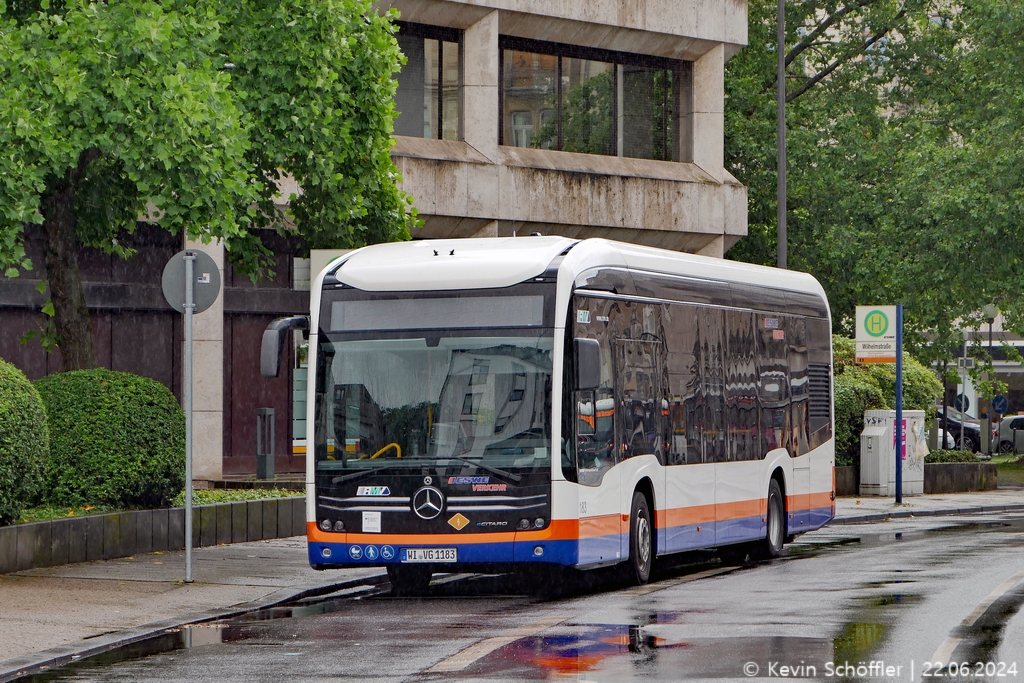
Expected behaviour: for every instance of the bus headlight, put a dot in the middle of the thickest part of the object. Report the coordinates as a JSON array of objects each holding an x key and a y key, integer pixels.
[
  {"x": 339, "y": 525},
  {"x": 538, "y": 523},
  {"x": 325, "y": 525},
  {"x": 524, "y": 524}
]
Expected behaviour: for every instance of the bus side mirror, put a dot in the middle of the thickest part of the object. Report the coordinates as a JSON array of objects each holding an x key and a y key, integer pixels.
[
  {"x": 588, "y": 364},
  {"x": 273, "y": 342}
]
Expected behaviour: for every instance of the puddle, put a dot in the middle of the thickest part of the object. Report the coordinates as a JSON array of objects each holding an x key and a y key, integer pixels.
[
  {"x": 611, "y": 652},
  {"x": 889, "y": 600}
]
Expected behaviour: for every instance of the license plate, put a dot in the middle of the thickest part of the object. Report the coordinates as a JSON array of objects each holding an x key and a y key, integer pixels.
[{"x": 430, "y": 555}]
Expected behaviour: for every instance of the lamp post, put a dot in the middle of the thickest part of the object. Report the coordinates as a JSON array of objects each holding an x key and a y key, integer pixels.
[
  {"x": 990, "y": 311},
  {"x": 780, "y": 50}
]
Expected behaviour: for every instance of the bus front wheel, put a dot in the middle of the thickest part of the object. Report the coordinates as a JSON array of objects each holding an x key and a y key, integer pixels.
[
  {"x": 775, "y": 521},
  {"x": 641, "y": 541},
  {"x": 408, "y": 580}
]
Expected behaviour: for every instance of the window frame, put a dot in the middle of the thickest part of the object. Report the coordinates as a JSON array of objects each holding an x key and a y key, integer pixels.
[
  {"x": 442, "y": 34},
  {"x": 682, "y": 74}
]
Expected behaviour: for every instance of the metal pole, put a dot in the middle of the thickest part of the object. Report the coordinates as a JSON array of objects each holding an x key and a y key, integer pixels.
[
  {"x": 899, "y": 404},
  {"x": 991, "y": 413},
  {"x": 781, "y": 135},
  {"x": 963, "y": 394},
  {"x": 190, "y": 306}
]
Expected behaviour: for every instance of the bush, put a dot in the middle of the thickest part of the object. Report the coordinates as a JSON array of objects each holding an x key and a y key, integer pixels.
[
  {"x": 118, "y": 440},
  {"x": 950, "y": 456},
  {"x": 24, "y": 442},
  {"x": 853, "y": 395},
  {"x": 873, "y": 387}
]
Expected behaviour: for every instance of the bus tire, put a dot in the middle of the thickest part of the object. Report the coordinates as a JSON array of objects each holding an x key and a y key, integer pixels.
[
  {"x": 408, "y": 580},
  {"x": 641, "y": 541},
  {"x": 775, "y": 523}
]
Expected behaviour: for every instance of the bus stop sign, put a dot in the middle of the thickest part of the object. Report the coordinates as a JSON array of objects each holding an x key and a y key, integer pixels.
[{"x": 205, "y": 288}]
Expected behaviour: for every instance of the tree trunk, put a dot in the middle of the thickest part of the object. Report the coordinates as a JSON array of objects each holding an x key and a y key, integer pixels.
[{"x": 71, "y": 315}]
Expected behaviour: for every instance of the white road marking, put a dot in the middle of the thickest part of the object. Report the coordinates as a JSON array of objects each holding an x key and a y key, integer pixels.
[
  {"x": 662, "y": 585},
  {"x": 945, "y": 650}
]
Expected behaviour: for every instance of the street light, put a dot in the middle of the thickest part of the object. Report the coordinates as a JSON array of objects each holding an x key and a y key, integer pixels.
[{"x": 780, "y": 49}]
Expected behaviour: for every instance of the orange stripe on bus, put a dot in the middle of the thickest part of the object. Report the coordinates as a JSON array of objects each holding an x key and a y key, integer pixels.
[
  {"x": 557, "y": 530},
  {"x": 587, "y": 527},
  {"x": 603, "y": 525}
]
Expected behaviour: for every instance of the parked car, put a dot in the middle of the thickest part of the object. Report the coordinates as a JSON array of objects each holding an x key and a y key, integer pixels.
[
  {"x": 1006, "y": 427},
  {"x": 965, "y": 430}
]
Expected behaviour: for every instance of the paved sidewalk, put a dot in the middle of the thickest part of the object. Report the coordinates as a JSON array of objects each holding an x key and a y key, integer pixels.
[
  {"x": 867, "y": 509},
  {"x": 48, "y": 616}
]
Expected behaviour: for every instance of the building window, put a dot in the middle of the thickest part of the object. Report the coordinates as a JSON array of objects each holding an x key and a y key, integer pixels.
[
  {"x": 429, "y": 96},
  {"x": 522, "y": 128},
  {"x": 578, "y": 99}
]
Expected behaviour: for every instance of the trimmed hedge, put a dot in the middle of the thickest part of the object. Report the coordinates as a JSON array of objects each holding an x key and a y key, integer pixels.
[
  {"x": 24, "y": 443},
  {"x": 118, "y": 440},
  {"x": 942, "y": 456}
]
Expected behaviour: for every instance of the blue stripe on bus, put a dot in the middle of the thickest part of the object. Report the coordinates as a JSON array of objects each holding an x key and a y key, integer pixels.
[
  {"x": 602, "y": 549},
  {"x": 585, "y": 552},
  {"x": 361, "y": 555}
]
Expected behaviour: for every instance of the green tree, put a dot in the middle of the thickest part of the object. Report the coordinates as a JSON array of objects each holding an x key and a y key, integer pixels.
[
  {"x": 905, "y": 156},
  {"x": 187, "y": 112}
]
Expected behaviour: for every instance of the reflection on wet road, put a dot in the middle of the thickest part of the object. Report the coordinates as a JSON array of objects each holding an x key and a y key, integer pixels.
[{"x": 881, "y": 601}]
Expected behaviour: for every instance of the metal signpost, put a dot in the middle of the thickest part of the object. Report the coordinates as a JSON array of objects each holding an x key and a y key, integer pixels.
[
  {"x": 190, "y": 293},
  {"x": 880, "y": 340}
]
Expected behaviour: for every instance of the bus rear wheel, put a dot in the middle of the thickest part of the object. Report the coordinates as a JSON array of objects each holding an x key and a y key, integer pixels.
[
  {"x": 408, "y": 580},
  {"x": 641, "y": 541},
  {"x": 775, "y": 523}
]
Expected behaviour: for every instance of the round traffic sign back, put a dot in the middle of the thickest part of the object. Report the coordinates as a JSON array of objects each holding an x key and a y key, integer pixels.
[{"x": 205, "y": 279}]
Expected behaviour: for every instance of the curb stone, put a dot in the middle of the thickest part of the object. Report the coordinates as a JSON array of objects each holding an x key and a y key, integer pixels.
[
  {"x": 46, "y": 660},
  {"x": 903, "y": 514}
]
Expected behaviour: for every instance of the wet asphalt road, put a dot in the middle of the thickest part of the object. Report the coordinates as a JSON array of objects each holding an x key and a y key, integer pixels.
[{"x": 899, "y": 594}]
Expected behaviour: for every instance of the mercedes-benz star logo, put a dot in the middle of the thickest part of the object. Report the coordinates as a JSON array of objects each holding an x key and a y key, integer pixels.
[{"x": 427, "y": 502}]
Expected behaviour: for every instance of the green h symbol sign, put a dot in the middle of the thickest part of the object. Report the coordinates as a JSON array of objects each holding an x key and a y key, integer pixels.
[{"x": 876, "y": 323}]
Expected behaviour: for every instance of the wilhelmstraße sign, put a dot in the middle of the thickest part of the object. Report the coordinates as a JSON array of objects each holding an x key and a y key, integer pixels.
[{"x": 876, "y": 334}]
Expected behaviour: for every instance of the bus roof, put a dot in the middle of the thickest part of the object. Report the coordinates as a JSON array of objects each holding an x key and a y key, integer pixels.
[{"x": 476, "y": 263}]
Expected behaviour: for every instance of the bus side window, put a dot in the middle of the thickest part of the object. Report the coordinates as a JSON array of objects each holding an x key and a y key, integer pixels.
[
  {"x": 772, "y": 382},
  {"x": 637, "y": 396},
  {"x": 682, "y": 367},
  {"x": 797, "y": 347},
  {"x": 712, "y": 361},
  {"x": 740, "y": 387},
  {"x": 594, "y": 410}
]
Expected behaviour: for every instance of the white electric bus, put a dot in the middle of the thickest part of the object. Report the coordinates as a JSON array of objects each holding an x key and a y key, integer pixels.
[{"x": 489, "y": 402}]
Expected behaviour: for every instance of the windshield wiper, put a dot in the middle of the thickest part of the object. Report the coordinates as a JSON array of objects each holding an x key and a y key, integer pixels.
[
  {"x": 419, "y": 460},
  {"x": 493, "y": 470},
  {"x": 373, "y": 470}
]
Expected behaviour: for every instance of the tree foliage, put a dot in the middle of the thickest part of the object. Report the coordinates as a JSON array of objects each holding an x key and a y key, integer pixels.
[
  {"x": 906, "y": 162},
  {"x": 188, "y": 112}
]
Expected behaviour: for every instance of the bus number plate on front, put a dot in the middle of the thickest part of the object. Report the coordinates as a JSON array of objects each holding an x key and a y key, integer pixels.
[{"x": 430, "y": 555}]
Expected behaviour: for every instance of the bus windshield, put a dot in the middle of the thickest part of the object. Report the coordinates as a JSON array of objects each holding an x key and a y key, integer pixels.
[{"x": 415, "y": 397}]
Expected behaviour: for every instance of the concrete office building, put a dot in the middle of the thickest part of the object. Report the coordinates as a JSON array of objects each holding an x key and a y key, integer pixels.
[{"x": 584, "y": 118}]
